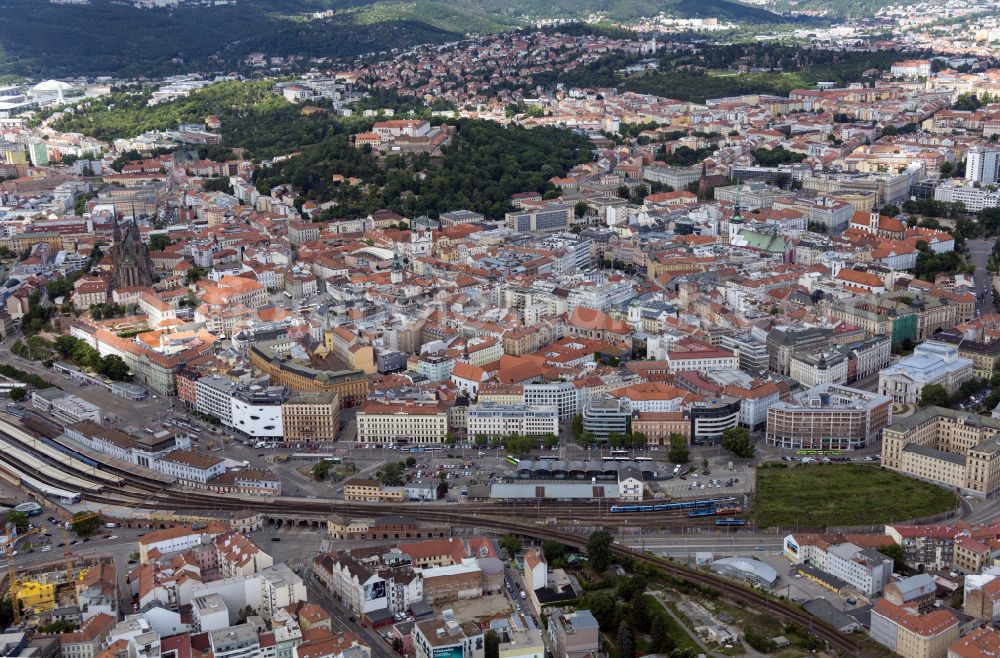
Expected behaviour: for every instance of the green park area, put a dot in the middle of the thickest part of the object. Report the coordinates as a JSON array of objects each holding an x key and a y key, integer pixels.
[{"x": 821, "y": 495}]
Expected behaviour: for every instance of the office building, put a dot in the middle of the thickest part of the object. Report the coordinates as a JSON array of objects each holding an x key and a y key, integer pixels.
[
  {"x": 605, "y": 415},
  {"x": 783, "y": 343},
  {"x": 493, "y": 419},
  {"x": 548, "y": 217},
  {"x": 828, "y": 417},
  {"x": 815, "y": 368}
]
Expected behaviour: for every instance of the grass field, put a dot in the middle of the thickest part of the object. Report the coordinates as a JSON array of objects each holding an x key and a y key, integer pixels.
[{"x": 820, "y": 495}]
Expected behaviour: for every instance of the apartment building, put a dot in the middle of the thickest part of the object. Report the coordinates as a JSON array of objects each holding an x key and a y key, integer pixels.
[
  {"x": 980, "y": 643},
  {"x": 366, "y": 490},
  {"x": 913, "y": 635},
  {"x": 309, "y": 417},
  {"x": 239, "y": 641},
  {"x": 943, "y": 445},
  {"x": 280, "y": 587},
  {"x": 407, "y": 422},
  {"x": 446, "y": 637},
  {"x": 88, "y": 641},
  {"x": 828, "y": 417},
  {"x": 574, "y": 635},
  {"x": 982, "y": 165}
]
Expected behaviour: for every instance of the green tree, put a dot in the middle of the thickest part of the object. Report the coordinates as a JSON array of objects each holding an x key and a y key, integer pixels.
[
  {"x": 933, "y": 395},
  {"x": 615, "y": 440},
  {"x": 159, "y": 242},
  {"x": 85, "y": 523},
  {"x": 491, "y": 645},
  {"x": 511, "y": 544},
  {"x": 604, "y": 606},
  {"x": 553, "y": 550},
  {"x": 194, "y": 274},
  {"x": 442, "y": 489},
  {"x": 114, "y": 367},
  {"x": 56, "y": 627},
  {"x": 19, "y": 519},
  {"x": 65, "y": 345},
  {"x": 660, "y": 640},
  {"x": 320, "y": 470},
  {"x": 625, "y": 641},
  {"x": 578, "y": 428},
  {"x": 599, "y": 550},
  {"x": 895, "y": 551},
  {"x": 580, "y": 209},
  {"x": 737, "y": 441},
  {"x": 638, "y": 617},
  {"x": 679, "y": 452},
  {"x": 18, "y": 393},
  {"x": 391, "y": 474},
  {"x": 550, "y": 441}
]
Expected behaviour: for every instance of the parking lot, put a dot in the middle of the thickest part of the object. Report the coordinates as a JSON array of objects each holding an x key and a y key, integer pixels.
[{"x": 739, "y": 481}]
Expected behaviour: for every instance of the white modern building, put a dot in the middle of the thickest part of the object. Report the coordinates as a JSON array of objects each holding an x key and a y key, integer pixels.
[
  {"x": 235, "y": 642},
  {"x": 564, "y": 396},
  {"x": 213, "y": 397},
  {"x": 866, "y": 570},
  {"x": 973, "y": 198},
  {"x": 982, "y": 165},
  {"x": 494, "y": 419},
  {"x": 279, "y": 587}
]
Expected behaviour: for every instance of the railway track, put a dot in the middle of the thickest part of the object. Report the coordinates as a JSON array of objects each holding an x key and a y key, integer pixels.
[{"x": 484, "y": 516}]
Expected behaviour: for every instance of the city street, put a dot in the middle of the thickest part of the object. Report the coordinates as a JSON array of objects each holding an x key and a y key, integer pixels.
[
  {"x": 340, "y": 618},
  {"x": 979, "y": 253}
]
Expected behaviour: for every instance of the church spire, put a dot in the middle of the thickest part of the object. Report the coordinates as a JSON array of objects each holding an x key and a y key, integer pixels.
[{"x": 737, "y": 217}]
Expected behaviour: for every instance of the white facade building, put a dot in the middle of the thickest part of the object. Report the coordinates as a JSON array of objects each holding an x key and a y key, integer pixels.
[
  {"x": 564, "y": 396},
  {"x": 493, "y": 419},
  {"x": 982, "y": 165},
  {"x": 930, "y": 363}
]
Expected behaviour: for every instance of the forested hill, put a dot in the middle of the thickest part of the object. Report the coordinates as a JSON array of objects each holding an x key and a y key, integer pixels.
[{"x": 40, "y": 39}]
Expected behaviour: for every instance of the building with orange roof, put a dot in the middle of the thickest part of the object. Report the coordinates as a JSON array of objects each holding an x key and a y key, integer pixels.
[
  {"x": 87, "y": 641},
  {"x": 402, "y": 422},
  {"x": 881, "y": 226},
  {"x": 865, "y": 282},
  {"x": 912, "y": 635},
  {"x": 980, "y": 643},
  {"x": 467, "y": 378}
]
